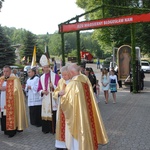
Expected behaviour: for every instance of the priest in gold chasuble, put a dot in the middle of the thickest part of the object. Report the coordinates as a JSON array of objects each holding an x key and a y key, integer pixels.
[
  {"x": 84, "y": 124},
  {"x": 60, "y": 123},
  {"x": 12, "y": 104}
]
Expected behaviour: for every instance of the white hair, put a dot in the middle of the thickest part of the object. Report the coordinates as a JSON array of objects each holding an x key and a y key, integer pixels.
[
  {"x": 74, "y": 67},
  {"x": 64, "y": 69}
]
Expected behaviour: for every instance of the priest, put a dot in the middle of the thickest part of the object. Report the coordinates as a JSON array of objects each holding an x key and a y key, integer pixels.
[
  {"x": 47, "y": 83},
  {"x": 84, "y": 125},
  {"x": 12, "y": 104},
  {"x": 60, "y": 123}
]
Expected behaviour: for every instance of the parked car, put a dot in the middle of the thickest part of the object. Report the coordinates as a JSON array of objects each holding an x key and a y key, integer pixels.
[
  {"x": 145, "y": 66},
  {"x": 115, "y": 66},
  {"x": 26, "y": 68},
  {"x": 14, "y": 67},
  {"x": 86, "y": 56},
  {"x": 109, "y": 65}
]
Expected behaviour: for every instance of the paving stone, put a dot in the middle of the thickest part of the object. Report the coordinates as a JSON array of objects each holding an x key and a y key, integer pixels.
[{"x": 127, "y": 124}]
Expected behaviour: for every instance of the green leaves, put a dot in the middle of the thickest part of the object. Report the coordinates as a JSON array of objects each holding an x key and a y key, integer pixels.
[
  {"x": 7, "y": 52},
  {"x": 110, "y": 37}
]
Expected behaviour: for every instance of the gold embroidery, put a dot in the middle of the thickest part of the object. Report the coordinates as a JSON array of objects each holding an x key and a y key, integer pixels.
[
  {"x": 47, "y": 118},
  {"x": 62, "y": 126},
  {"x": 90, "y": 114},
  {"x": 10, "y": 118}
]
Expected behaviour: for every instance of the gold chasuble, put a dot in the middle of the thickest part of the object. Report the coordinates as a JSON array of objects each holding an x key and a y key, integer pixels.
[
  {"x": 60, "y": 125},
  {"x": 82, "y": 114},
  {"x": 15, "y": 110}
]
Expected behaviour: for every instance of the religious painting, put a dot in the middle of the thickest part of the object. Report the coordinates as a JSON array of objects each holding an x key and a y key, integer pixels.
[{"x": 124, "y": 60}]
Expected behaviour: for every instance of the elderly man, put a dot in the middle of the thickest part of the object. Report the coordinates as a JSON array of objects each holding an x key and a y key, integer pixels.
[
  {"x": 84, "y": 125},
  {"x": 60, "y": 124},
  {"x": 12, "y": 104}
]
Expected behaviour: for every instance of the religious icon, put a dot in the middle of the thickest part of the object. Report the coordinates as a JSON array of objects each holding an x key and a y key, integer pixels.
[{"x": 124, "y": 59}]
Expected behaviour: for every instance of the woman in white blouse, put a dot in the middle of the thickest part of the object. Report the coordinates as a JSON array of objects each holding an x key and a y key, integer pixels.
[
  {"x": 113, "y": 84},
  {"x": 105, "y": 84}
]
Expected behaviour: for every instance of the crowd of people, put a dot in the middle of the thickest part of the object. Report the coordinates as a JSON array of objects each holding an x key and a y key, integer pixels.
[
  {"x": 109, "y": 82},
  {"x": 62, "y": 104}
]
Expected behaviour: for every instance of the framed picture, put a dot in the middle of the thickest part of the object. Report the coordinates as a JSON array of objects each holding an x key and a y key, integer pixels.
[{"x": 124, "y": 62}]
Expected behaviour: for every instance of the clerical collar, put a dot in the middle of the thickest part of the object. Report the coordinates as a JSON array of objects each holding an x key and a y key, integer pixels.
[
  {"x": 48, "y": 72},
  {"x": 32, "y": 77},
  {"x": 6, "y": 78},
  {"x": 67, "y": 81}
]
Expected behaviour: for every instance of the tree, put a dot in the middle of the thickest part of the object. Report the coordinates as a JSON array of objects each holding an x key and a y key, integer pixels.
[
  {"x": 55, "y": 44},
  {"x": 28, "y": 46},
  {"x": 16, "y": 36},
  {"x": 1, "y": 4},
  {"x": 118, "y": 35},
  {"x": 7, "y": 53},
  {"x": 142, "y": 38}
]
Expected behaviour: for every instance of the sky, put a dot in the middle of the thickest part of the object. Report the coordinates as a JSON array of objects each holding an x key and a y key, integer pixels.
[{"x": 38, "y": 16}]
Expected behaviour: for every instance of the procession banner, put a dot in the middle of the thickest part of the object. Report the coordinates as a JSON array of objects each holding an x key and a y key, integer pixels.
[{"x": 93, "y": 24}]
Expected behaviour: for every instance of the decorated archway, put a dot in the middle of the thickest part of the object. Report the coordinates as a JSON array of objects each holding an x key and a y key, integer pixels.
[{"x": 132, "y": 19}]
